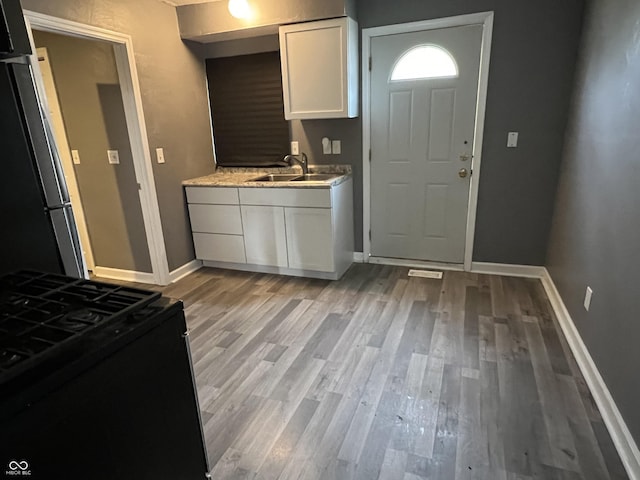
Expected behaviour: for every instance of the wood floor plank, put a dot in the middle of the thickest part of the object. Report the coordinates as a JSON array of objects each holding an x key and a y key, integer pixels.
[
  {"x": 490, "y": 415},
  {"x": 308, "y": 442},
  {"x": 393, "y": 465},
  {"x": 472, "y": 460},
  {"x": 560, "y": 438},
  {"x": 381, "y": 375},
  {"x": 278, "y": 457},
  {"x": 588, "y": 451}
]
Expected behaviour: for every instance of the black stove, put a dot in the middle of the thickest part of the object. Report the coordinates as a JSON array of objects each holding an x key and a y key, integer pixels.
[{"x": 43, "y": 314}]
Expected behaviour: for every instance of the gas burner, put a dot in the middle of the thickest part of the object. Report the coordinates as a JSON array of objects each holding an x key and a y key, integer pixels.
[
  {"x": 70, "y": 324},
  {"x": 9, "y": 358},
  {"x": 87, "y": 316}
]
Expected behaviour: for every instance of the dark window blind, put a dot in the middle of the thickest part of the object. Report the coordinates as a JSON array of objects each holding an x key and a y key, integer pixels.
[{"x": 247, "y": 110}]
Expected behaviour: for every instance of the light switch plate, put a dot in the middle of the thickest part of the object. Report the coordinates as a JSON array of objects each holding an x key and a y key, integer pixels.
[
  {"x": 160, "y": 155},
  {"x": 113, "y": 156},
  {"x": 295, "y": 148},
  {"x": 326, "y": 146},
  {"x": 75, "y": 156},
  {"x": 512, "y": 140},
  {"x": 336, "y": 147}
]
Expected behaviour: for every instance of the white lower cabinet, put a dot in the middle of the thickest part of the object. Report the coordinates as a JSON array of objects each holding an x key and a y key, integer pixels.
[
  {"x": 265, "y": 240},
  {"x": 309, "y": 238},
  {"x": 294, "y": 231}
]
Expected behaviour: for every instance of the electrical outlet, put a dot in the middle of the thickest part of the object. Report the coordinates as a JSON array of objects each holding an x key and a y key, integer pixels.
[
  {"x": 113, "y": 156},
  {"x": 295, "y": 148},
  {"x": 75, "y": 156},
  {"x": 587, "y": 298},
  {"x": 512, "y": 140},
  {"x": 326, "y": 146},
  {"x": 160, "y": 155},
  {"x": 336, "y": 147}
]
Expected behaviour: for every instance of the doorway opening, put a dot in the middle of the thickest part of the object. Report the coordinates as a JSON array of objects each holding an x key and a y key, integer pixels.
[
  {"x": 87, "y": 81},
  {"x": 423, "y": 125}
]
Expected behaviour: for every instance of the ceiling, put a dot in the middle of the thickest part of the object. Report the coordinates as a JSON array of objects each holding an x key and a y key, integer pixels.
[{"x": 176, "y": 3}]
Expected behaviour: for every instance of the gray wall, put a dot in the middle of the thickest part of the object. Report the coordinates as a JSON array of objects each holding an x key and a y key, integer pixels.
[
  {"x": 91, "y": 103},
  {"x": 174, "y": 98},
  {"x": 532, "y": 64},
  {"x": 595, "y": 239},
  {"x": 530, "y": 78}
]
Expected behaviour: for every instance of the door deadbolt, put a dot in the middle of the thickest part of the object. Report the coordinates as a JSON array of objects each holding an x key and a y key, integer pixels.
[
  {"x": 462, "y": 173},
  {"x": 465, "y": 157}
]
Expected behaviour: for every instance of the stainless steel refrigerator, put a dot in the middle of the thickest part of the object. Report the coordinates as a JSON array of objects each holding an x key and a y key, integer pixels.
[{"x": 36, "y": 219}]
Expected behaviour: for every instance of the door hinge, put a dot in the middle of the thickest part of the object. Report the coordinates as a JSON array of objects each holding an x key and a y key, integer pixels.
[
  {"x": 370, "y": 63},
  {"x": 369, "y": 154},
  {"x": 139, "y": 187},
  {"x": 369, "y": 234}
]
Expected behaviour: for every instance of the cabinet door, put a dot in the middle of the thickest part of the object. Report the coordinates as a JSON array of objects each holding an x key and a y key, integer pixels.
[
  {"x": 264, "y": 235},
  {"x": 215, "y": 219},
  {"x": 310, "y": 238},
  {"x": 319, "y": 69}
]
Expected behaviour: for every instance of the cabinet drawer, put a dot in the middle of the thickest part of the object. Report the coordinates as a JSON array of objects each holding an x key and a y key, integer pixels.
[
  {"x": 219, "y": 248},
  {"x": 217, "y": 195},
  {"x": 286, "y": 197},
  {"x": 215, "y": 219}
]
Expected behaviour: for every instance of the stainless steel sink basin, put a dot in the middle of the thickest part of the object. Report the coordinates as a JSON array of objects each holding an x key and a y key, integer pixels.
[
  {"x": 275, "y": 177},
  {"x": 316, "y": 177}
]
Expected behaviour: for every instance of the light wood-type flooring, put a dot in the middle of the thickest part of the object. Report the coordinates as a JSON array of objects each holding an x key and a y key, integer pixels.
[{"x": 380, "y": 375}]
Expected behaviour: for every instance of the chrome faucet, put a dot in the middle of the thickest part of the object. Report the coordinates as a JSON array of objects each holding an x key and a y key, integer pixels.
[{"x": 291, "y": 159}]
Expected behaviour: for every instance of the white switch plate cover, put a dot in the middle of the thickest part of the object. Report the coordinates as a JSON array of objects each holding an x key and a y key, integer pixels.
[
  {"x": 326, "y": 146},
  {"x": 512, "y": 140},
  {"x": 114, "y": 159},
  {"x": 75, "y": 156},
  {"x": 160, "y": 155},
  {"x": 587, "y": 298},
  {"x": 295, "y": 148},
  {"x": 336, "y": 147}
]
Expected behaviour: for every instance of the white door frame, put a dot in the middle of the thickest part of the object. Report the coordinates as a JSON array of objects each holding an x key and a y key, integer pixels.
[
  {"x": 136, "y": 126},
  {"x": 481, "y": 18}
]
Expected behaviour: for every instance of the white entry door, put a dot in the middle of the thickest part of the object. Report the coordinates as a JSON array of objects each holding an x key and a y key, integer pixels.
[{"x": 424, "y": 88}]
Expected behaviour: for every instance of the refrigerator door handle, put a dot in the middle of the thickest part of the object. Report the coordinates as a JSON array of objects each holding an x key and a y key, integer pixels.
[{"x": 68, "y": 241}]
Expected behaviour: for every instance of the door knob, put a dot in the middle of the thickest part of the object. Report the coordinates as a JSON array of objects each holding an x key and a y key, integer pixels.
[{"x": 462, "y": 173}]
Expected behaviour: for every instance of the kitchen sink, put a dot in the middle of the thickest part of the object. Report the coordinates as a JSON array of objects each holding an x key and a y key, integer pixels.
[
  {"x": 316, "y": 177},
  {"x": 275, "y": 177}
]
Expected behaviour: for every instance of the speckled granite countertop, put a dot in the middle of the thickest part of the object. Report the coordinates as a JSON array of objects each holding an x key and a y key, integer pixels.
[{"x": 239, "y": 177}]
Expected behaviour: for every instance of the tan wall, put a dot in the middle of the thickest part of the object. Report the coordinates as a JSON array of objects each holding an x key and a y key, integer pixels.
[
  {"x": 206, "y": 22},
  {"x": 174, "y": 98},
  {"x": 90, "y": 98}
]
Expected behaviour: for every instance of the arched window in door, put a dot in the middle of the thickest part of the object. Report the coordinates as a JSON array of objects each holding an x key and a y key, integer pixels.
[{"x": 424, "y": 62}]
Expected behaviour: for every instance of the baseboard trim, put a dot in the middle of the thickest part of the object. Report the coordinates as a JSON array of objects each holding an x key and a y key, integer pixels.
[
  {"x": 401, "y": 262},
  {"x": 124, "y": 275},
  {"x": 620, "y": 434},
  {"x": 184, "y": 270},
  {"x": 358, "y": 257},
  {"x": 528, "y": 271},
  {"x": 293, "y": 272}
]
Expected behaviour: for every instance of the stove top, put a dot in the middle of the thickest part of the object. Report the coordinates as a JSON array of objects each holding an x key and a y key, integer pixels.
[{"x": 41, "y": 314}]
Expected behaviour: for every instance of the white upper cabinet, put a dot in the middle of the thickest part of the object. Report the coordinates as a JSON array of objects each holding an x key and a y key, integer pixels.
[{"x": 320, "y": 69}]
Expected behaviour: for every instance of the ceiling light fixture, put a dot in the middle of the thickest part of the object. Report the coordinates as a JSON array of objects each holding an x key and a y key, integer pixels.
[{"x": 240, "y": 9}]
